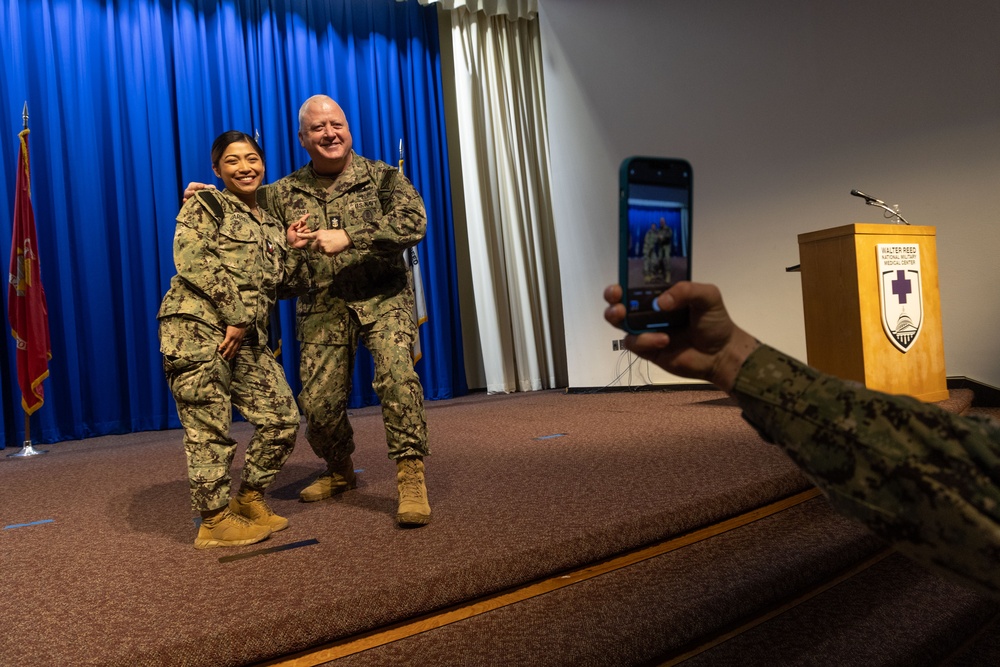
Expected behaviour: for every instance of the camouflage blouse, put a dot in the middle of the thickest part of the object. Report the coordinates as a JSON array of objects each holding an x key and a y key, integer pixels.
[
  {"x": 228, "y": 271},
  {"x": 369, "y": 279}
]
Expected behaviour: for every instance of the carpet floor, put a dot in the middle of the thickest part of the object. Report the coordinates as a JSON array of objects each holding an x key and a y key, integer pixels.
[{"x": 99, "y": 568}]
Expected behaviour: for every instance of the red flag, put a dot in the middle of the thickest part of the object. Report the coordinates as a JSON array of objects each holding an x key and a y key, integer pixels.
[{"x": 29, "y": 316}]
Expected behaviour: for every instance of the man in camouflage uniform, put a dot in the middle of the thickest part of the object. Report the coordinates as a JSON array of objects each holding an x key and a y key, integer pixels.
[
  {"x": 918, "y": 476},
  {"x": 213, "y": 335},
  {"x": 650, "y": 245},
  {"x": 362, "y": 215},
  {"x": 666, "y": 248}
]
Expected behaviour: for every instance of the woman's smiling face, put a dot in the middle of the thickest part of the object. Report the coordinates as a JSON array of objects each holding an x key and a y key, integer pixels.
[{"x": 241, "y": 169}]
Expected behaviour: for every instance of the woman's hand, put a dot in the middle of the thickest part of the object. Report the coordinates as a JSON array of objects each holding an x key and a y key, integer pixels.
[
  {"x": 294, "y": 233},
  {"x": 231, "y": 343}
]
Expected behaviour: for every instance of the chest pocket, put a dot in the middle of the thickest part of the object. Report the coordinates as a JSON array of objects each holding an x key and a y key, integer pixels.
[{"x": 239, "y": 247}]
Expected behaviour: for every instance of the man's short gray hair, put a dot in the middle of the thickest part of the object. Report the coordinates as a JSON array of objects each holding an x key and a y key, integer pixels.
[{"x": 305, "y": 105}]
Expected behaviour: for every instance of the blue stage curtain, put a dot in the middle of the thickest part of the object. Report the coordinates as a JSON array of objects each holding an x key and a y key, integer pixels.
[
  {"x": 125, "y": 98},
  {"x": 641, "y": 217}
]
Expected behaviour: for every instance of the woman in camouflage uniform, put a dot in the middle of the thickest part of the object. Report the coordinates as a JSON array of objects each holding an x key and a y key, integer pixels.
[{"x": 229, "y": 255}]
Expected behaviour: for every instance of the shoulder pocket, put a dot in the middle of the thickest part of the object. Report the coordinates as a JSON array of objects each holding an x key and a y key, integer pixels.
[
  {"x": 232, "y": 226},
  {"x": 385, "y": 189}
]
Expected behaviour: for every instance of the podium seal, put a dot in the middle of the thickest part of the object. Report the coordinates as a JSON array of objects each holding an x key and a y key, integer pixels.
[{"x": 900, "y": 292}]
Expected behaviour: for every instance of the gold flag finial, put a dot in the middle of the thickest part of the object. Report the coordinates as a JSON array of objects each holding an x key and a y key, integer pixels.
[
  {"x": 401, "y": 156},
  {"x": 24, "y": 114}
]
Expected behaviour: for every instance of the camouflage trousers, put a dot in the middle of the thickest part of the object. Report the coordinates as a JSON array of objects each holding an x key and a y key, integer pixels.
[
  {"x": 326, "y": 372},
  {"x": 206, "y": 393}
]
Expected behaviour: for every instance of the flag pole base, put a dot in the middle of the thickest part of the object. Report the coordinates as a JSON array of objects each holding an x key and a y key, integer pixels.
[{"x": 28, "y": 450}]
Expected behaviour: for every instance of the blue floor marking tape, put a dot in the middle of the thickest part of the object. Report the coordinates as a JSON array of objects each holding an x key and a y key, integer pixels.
[
  {"x": 24, "y": 525},
  {"x": 271, "y": 550},
  {"x": 549, "y": 437}
]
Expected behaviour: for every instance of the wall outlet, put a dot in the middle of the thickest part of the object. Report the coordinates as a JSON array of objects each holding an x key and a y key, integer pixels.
[{"x": 618, "y": 344}]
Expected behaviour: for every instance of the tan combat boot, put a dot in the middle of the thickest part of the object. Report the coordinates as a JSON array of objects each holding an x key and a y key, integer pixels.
[
  {"x": 338, "y": 478},
  {"x": 414, "y": 510},
  {"x": 226, "y": 529},
  {"x": 250, "y": 504}
]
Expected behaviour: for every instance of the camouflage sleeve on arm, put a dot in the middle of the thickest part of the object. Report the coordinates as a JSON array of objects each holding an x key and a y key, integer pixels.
[
  {"x": 197, "y": 261},
  {"x": 285, "y": 202},
  {"x": 403, "y": 224},
  {"x": 918, "y": 476},
  {"x": 296, "y": 278}
]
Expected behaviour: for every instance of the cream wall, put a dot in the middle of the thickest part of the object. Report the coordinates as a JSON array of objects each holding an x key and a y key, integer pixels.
[{"x": 782, "y": 107}]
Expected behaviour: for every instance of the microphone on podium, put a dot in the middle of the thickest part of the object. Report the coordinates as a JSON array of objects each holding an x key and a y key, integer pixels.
[
  {"x": 890, "y": 211},
  {"x": 868, "y": 199}
]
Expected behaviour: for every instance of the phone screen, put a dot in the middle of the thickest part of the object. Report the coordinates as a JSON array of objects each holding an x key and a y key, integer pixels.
[{"x": 655, "y": 238}]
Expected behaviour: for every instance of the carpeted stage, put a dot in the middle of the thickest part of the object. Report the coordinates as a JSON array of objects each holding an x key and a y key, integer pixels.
[{"x": 641, "y": 528}]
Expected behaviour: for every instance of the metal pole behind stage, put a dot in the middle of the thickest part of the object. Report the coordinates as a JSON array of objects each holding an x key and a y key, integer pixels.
[{"x": 26, "y": 448}]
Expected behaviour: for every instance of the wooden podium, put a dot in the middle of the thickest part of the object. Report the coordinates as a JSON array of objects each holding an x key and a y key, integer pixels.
[{"x": 845, "y": 332}]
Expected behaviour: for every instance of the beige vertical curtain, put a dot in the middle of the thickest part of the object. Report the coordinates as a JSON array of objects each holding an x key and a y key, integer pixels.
[
  {"x": 513, "y": 9},
  {"x": 505, "y": 171}
]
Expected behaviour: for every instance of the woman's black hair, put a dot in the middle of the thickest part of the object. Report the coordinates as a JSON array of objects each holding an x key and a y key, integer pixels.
[{"x": 232, "y": 137}]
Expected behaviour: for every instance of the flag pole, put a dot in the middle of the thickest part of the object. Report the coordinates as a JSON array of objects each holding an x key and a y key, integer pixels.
[
  {"x": 412, "y": 261},
  {"x": 26, "y": 447}
]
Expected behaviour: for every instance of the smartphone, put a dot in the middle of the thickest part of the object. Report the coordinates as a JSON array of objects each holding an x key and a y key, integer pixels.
[{"x": 654, "y": 238}]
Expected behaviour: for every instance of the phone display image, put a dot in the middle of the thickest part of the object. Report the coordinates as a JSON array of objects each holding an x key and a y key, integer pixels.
[{"x": 655, "y": 237}]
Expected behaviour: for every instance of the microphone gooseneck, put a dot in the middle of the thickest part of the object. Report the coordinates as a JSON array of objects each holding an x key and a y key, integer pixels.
[{"x": 891, "y": 212}]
